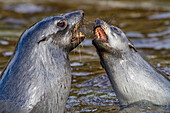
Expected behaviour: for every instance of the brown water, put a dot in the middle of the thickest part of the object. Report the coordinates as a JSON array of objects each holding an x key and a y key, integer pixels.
[{"x": 146, "y": 23}]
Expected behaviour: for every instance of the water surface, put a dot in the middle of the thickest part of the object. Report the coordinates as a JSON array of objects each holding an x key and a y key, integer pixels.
[{"x": 146, "y": 23}]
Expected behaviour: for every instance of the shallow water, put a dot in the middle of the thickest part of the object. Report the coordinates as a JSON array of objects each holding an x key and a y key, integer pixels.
[{"x": 147, "y": 24}]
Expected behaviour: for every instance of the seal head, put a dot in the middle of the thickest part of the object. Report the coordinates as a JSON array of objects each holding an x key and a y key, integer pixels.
[
  {"x": 64, "y": 28},
  {"x": 38, "y": 76},
  {"x": 110, "y": 38},
  {"x": 133, "y": 79}
]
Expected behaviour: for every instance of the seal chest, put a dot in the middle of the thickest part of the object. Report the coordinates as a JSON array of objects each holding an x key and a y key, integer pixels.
[
  {"x": 38, "y": 76},
  {"x": 132, "y": 78}
]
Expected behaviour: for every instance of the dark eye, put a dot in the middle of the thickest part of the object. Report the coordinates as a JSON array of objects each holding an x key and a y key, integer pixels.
[
  {"x": 114, "y": 28},
  {"x": 61, "y": 23}
]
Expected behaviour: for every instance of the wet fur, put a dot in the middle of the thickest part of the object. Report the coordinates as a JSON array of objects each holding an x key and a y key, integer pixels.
[
  {"x": 133, "y": 79},
  {"x": 38, "y": 77}
]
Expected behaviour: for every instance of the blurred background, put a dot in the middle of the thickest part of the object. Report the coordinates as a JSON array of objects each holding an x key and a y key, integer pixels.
[{"x": 145, "y": 22}]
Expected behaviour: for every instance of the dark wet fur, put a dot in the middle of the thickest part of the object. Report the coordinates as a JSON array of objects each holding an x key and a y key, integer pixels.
[
  {"x": 132, "y": 78},
  {"x": 38, "y": 77}
]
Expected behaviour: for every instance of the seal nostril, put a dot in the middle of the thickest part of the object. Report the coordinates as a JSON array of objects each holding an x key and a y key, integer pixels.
[
  {"x": 81, "y": 12},
  {"x": 97, "y": 21}
]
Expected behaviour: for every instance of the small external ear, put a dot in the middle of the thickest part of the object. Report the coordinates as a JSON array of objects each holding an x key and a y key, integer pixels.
[
  {"x": 132, "y": 47},
  {"x": 43, "y": 38}
]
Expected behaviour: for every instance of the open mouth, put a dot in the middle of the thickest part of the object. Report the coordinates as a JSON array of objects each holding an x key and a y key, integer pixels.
[
  {"x": 99, "y": 33},
  {"x": 77, "y": 35}
]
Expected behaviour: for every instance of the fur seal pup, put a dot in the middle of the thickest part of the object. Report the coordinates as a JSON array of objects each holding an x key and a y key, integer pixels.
[
  {"x": 132, "y": 78},
  {"x": 38, "y": 77}
]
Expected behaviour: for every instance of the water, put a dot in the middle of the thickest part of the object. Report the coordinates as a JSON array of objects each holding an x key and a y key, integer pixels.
[{"x": 146, "y": 23}]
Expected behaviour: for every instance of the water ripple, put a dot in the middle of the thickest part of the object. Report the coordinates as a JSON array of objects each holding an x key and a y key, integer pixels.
[
  {"x": 154, "y": 43},
  {"x": 8, "y": 53},
  {"x": 159, "y": 34},
  {"x": 160, "y": 16},
  {"x": 2, "y": 42}
]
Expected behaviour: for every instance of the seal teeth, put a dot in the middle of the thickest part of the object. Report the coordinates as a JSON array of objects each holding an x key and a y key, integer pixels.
[
  {"x": 80, "y": 34},
  {"x": 99, "y": 32},
  {"x": 75, "y": 29},
  {"x": 77, "y": 35}
]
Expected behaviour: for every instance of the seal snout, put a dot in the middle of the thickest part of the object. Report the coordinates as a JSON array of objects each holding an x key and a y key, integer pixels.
[
  {"x": 75, "y": 14},
  {"x": 81, "y": 12},
  {"x": 77, "y": 36},
  {"x": 99, "y": 31},
  {"x": 75, "y": 20},
  {"x": 98, "y": 22}
]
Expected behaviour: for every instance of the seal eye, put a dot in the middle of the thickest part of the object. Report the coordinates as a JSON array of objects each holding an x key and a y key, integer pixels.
[
  {"x": 115, "y": 29},
  {"x": 61, "y": 23}
]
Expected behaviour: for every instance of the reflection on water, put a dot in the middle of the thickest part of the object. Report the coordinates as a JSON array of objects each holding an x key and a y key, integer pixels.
[
  {"x": 160, "y": 16},
  {"x": 146, "y": 23},
  {"x": 24, "y": 8}
]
